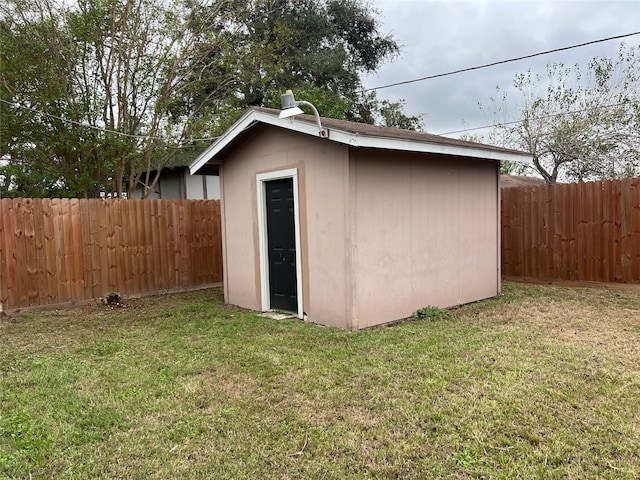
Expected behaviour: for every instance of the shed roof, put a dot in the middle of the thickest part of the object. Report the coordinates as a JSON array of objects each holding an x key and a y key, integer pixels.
[
  {"x": 359, "y": 135},
  {"x": 507, "y": 181}
]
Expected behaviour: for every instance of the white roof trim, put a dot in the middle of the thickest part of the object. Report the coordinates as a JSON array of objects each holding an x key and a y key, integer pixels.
[{"x": 349, "y": 138}]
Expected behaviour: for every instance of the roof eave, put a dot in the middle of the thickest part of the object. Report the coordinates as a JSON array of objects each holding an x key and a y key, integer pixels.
[
  {"x": 250, "y": 117},
  {"x": 366, "y": 141}
]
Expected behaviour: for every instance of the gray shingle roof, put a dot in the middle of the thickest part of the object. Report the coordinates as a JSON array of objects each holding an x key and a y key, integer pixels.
[
  {"x": 392, "y": 133},
  {"x": 356, "y": 135}
]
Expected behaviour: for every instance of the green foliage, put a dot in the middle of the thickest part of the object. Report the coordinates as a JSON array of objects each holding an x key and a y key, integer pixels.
[
  {"x": 369, "y": 109},
  {"x": 319, "y": 49},
  {"x": 578, "y": 126},
  {"x": 394, "y": 116},
  {"x": 431, "y": 313},
  {"x": 99, "y": 94},
  {"x": 328, "y": 104},
  {"x": 506, "y": 167},
  {"x": 84, "y": 112},
  {"x": 514, "y": 168}
]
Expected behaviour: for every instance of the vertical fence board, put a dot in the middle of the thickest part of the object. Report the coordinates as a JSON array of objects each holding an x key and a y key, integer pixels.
[
  {"x": 571, "y": 227},
  {"x": 41, "y": 259},
  {"x": 30, "y": 260},
  {"x": 76, "y": 246},
  {"x": 626, "y": 229},
  {"x": 3, "y": 256},
  {"x": 556, "y": 245},
  {"x": 94, "y": 242},
  {"x": 148, "y": 246},
  {"x": 598, "y": 225},
  {"x": 197, "y": 242},
  {"x": 171, "y": 244},
  {"x": 103, "y": 255},
  {"x": 145, "y": 238},
  {"x": 11, "y": 261},
  {"x": 59, "y": 292},
  {"x": 127, "y": 247},
  {"x": 597, "y": 222},
  {"x": 161, "y": 225},
  {"x": 549, "y": 233},
  {"x": 4, "y": 252},
  {"x": 85, "y": 246},
  {"x": 530, "y": 234},
  {"x": 21, "y": 251},
  {"x": 112, "y": 255},
  {"x": 154, "y": 256},
  {"x": 516, "y": 234},
  {"x": 183, "y": 247},
  {"x": 117, "y": 268},
  {"x": 578, "y": 208},
  {"x": 617, "y": 232},
  {"x": 584, "y": 231},
  {"x": 69, "y": 250},
  {"x": 49, "y": 252},
  {"x": 607, "y": 237},
  {"x": 69, "y": 253},
  {"x": 136, "y": 228},
  {"x": 635, "y": 227}
]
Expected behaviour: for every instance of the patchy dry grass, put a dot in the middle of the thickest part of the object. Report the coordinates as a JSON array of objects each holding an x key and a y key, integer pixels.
[{"x": 542, "y": 382}]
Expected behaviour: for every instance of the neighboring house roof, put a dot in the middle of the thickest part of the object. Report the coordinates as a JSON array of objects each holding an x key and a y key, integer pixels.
[
  {"x": 507, "y": 181},
  {"x": 354, "y": 134},
  {"x": 171, "y": 169}
]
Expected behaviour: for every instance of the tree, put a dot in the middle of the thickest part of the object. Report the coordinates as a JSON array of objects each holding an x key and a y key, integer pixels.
[
  {"x": 318, "y": 48},
  {"x": 394, "y": 116},
  {"x": 369, "y": 109},
  {"x": 506, "y": 167},
  {"x": 581, "y": 127},
  {"x": 37, "y": 60},
  {"x": 88, "y": 93},
  {"x": 99, "y": 95}
]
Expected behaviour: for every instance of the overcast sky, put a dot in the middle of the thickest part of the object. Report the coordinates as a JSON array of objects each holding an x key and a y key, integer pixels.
[{"x": 442, "y": 36}]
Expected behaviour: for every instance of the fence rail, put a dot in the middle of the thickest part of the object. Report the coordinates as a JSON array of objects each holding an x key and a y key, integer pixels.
[
  {"x": 582, "y": 231},
  {"x": 71, "y": 250}
]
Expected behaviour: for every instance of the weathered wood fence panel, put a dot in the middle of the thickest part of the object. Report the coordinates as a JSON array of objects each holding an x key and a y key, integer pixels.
[
  {"x": 582, "y": 231},
  {"x": 72, "y": 250}
]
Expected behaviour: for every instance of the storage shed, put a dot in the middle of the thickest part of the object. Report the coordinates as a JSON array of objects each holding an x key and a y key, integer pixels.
[{"x": 358, "y": 229}]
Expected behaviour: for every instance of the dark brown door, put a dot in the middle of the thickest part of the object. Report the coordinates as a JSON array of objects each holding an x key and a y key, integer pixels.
[{"x": 281, "y": 239}]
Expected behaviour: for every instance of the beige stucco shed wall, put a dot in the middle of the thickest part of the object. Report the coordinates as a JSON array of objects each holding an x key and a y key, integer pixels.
[
  {"x": 323, "y": 206},
  {"x": 426, "y": 233},
  {"x": 382, "y": 233}
]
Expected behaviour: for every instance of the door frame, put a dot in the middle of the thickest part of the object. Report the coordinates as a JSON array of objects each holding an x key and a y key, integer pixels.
[{"x": 265, "y": 291}]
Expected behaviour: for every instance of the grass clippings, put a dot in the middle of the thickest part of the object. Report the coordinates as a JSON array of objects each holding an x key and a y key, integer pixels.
[{"x": 542, "y": 382}]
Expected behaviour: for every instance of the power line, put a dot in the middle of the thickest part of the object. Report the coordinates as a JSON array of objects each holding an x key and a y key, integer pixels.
[
  {"x": 100, "y": 129},
  {"x": 493, "y": 64},
  {"x": 552, "y": 115},
  {"x": 405, "y": 82}
]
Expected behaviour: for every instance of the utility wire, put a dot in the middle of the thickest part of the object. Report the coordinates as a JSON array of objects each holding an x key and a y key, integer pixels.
[
  {"x": 493, "y": 64},
  {"x": 552, "y": 115},
  {"x": 102, "y": 129},
  {"x": 405, "y": 82}
]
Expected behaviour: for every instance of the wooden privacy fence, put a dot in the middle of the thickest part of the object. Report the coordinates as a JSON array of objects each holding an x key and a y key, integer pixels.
[
  {"x": 581, "y": 231},
  {"x": 69, "y": 250}
]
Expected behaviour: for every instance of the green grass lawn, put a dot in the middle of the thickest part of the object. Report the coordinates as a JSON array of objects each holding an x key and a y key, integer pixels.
[{"x": 543, "y": 382}]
